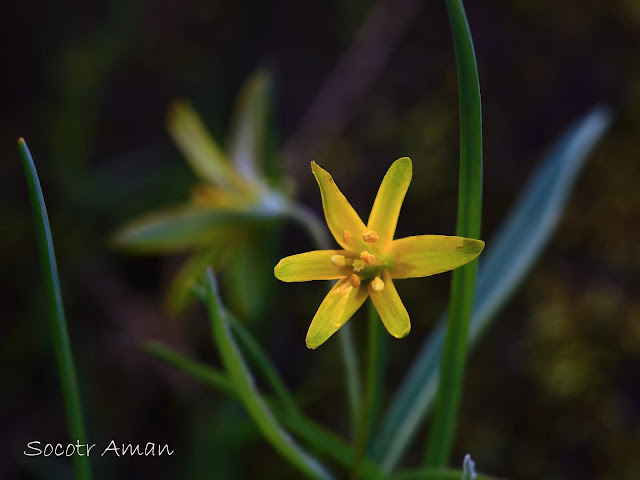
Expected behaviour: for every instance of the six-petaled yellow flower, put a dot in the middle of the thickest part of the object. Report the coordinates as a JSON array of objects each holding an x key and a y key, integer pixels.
[{"x": 370, "y": 258}]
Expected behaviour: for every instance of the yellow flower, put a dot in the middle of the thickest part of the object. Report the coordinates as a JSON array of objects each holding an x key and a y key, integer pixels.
[{"x": 370, "y": 258}]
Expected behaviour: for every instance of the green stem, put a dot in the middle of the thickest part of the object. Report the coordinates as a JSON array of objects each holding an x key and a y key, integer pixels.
[
  {"x": 353, "y": 383},
  {"x": 373, "y": 385},
  {"x": 57, "y": 322},
  {"x": 452, "y": 367}
]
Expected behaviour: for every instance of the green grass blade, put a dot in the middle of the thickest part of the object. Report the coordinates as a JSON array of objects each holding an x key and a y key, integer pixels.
[
  {"x": 313, "y": 434},
  {"x": 248, "y": 394},
  {"x": 509, "y": 257},
  {"x": 262, "y": 362},
  {"x": 203, "y": 373},
  {"x": 452, "y": 368},
  {"x": 257, "y": 357},
  {"x": 58, "y": 324}
]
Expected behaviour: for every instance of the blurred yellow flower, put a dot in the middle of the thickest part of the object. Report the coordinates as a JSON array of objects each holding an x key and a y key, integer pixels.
[
  {"x": 370, "y": 258},
  {"x": 233, "y": 211}
]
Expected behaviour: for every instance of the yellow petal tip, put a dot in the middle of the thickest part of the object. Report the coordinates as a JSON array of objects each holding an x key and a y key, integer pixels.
[
  {"x": 472, "y": 247},
  {"x": 404, "y": 333},
  {"x": 405, "y": 160},
  {"x": 310, "y": 344}
]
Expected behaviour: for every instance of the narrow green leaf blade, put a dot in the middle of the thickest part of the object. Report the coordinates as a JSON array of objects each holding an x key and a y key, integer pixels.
[
  {"x": 57, "y": 321},
  {"x": 262, "y": 362},
  {"x": 452, "y": 367},
  {"x": 315, "y": 435},
  {"x": 203, "y": 373},
  {"x": 247, "y": 392},
  {"x": 509, "y": 257}
]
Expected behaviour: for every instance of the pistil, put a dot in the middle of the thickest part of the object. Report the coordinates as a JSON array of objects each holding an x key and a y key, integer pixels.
[{"x": 377, "y": 285}]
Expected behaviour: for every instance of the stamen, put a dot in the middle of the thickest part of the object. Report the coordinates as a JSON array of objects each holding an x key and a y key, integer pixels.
[
  {"x": 358, "y": 265},
  {"x": 377, "y": 284},
  {"x": 367, "y": 257},
  {"x": 346, "y": 236},
  {"x": 355, "y": 280},
  {"x": 338, "y": 260},
  {"x": 370, "y": 237}
]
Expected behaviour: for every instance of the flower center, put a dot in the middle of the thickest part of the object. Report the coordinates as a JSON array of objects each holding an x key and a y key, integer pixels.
[{"x": 367, "y": 267}]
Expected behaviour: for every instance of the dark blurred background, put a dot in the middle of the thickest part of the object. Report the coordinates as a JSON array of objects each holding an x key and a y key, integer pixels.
[{"x": 553, "y": 391}]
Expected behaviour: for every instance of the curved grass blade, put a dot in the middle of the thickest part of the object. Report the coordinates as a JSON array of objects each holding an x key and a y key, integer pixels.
[
  {"x": 463, "y": 280},
  {"x": 257, "y": 357},
  {"x": 509, "y": 257},
  {"x": 260, "y": 359},
  {"x": 247, "y": 392},
  {"x": 203, "y": 373},
  {"x": 57, "y": 322},
  {"x": 314, "y": 434}
]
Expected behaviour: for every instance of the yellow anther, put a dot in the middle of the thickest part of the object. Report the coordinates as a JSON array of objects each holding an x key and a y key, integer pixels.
[
  {"x": 367, "y": 257},
  {"x": 338, "y": 260},
  {"x": 346, "y": 236},
  {"x": 370, "y": 237},
  {"x": 358, "y": 265},
  {"x": 355, "y": 280},
  {"x": 377, "y": 284}
]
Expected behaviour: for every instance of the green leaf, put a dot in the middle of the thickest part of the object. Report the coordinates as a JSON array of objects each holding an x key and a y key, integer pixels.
[
  {"x": 263, "y": 363},
  {"x": 250, "y": 126},
  {"x": 57, "y": 321},
  {"x": 180, "y": 228},
  {"x": 203, "y": 373},
  {"x": 452, "y": 366},
  {"x": 314, "y": 434},
  {"x": 508, "y": 259},
  {"x": 199, "y": 149},
  {"x": 329, "y": 444},
  {"x": 248, "y": 394}
]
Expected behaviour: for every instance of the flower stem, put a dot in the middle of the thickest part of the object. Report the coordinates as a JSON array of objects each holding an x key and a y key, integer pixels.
[{"x": 376, "y": 353}]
